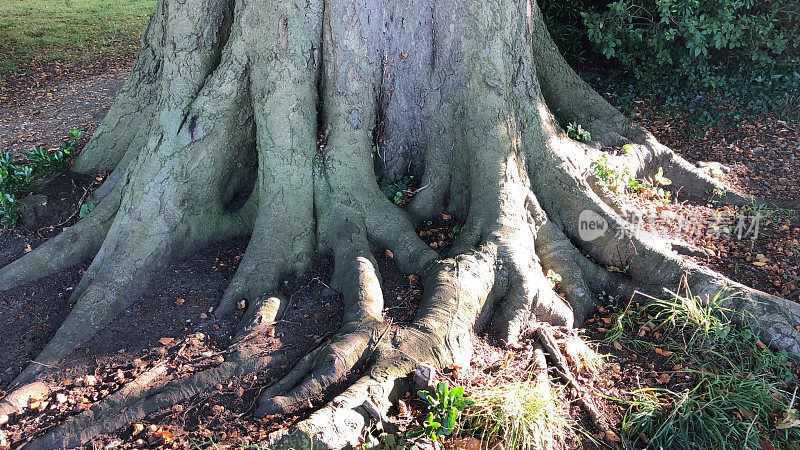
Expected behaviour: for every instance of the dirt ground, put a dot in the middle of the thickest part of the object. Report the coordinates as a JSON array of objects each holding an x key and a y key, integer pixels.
[{"x": 170, "y": 321}]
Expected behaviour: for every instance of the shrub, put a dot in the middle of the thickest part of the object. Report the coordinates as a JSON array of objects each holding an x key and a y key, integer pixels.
[
  {"x": 704, "y": 41},
  {"x": 727, "y": 59},
  {"x": 17, "y": 176}
]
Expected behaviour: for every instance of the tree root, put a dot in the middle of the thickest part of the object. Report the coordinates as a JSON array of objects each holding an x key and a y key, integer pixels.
[{"x": 561, "y": 367}]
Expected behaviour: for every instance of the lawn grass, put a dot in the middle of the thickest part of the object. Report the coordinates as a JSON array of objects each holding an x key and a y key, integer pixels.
[{"x": 35, "y": 32}]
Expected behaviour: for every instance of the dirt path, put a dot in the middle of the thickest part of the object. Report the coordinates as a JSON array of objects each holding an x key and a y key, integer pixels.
[{"x": 42, "y": 115}]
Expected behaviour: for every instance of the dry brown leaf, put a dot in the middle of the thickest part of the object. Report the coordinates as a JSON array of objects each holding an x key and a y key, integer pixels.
[
  {"x": 402, "y": 408},
  {"x": 166, "y": 340},
  {"x": 165, "y": 436},
  {"x": 663, "y": 379},
  {"x": 241, "y": 304},
  {"x": 611, "y": 436},
  {"x": 790, "y": 420},
  {"x": 617, "y": 345}
]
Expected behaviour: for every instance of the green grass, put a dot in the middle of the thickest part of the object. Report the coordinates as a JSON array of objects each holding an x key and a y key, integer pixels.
[
  {"x": 740, "y": 386},
  {"x": 517, "y": 414},
  {"x": 74, "y": 31}
]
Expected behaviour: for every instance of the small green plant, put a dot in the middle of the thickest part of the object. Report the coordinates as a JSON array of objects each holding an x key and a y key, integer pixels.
[
  {"x": 86, "y": 208},
  {"x": 396, "y": 190},
  {"x": 553, "y": 278},
  {"x": 625, "y": 183},
  {"x": 659, "y": 179},
  {"x": 444, "y": 408},
  {"x": 605, "y": 172},
  {"x": 575, "y": 131},
  {"x": 717, "y": 195},
  {"x": 17, "y": 176}
]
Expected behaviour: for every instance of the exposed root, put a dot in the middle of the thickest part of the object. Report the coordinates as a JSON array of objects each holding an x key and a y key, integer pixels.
[
  {"x": 361, "y": 331},
  {"x": 152, "y": 391},
  {"x": 561, "y": 367},
  {"x": 72, "y": 246},
  {"x": 651, "y": 263}
]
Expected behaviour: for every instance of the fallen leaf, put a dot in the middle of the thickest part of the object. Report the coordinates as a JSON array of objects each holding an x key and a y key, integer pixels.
[
  {"x": 180, "y": 301},
  {"x": 389, "y": 254},
  {"x": 617, "y": 345},
  {"x": 765, "y": 445},
  {"x": 166, "y": 340},
  {"x": 402, "y": 408},
  {"x": 137, "y": 428},
  {"x": 664, "y": 378},
  {"x": 611, "y": 436},
  {"x": 790, "y": 420},
  {"x": 164, "y": 436},
  {"x": 760, "y": 344},
  {"x": 241, "y": 304},
  {"x": 28, "y": 248}
]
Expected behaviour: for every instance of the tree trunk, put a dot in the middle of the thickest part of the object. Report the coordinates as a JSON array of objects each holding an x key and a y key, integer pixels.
[{"x": 230, "y": 97}]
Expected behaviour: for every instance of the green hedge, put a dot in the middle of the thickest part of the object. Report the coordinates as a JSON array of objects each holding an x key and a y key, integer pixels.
[{"x": 703, "y": 55}]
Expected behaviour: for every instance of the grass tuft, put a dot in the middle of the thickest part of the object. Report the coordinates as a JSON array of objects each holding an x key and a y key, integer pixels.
[
  {"x": 518, "y": 414},
  {"x": 735, "y": 387}
]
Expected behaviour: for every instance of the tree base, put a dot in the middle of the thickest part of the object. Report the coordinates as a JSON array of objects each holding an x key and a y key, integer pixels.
[{"x": 284, "y": 104}]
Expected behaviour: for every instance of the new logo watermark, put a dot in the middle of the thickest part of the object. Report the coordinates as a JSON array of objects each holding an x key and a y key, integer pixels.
[{"x": 591, "y": 225}]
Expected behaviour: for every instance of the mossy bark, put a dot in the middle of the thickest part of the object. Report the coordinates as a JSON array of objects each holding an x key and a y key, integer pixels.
[{"x": 285, "y": 101}]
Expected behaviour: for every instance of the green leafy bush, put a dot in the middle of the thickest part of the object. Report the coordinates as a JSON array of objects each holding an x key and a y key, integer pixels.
[
  {"x": 17, "y": 176},
  {"x": 700, "y": 40},
  {"x": 726, "y": 60}
]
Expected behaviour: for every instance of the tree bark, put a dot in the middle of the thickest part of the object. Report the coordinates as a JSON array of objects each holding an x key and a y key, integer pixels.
[{"x": 230, "y": 97}]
